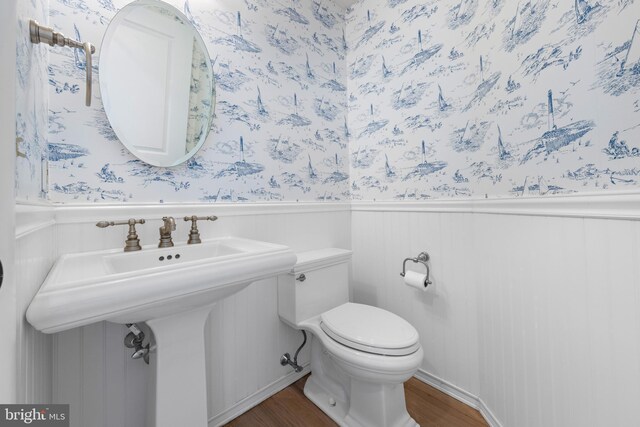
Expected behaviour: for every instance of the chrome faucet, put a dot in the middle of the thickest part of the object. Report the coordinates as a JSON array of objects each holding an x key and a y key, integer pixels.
[{"x": 165, "y": 232}]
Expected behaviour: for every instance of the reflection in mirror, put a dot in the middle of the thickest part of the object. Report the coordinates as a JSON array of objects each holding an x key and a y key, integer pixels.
[{"x": 156, "y": 82}]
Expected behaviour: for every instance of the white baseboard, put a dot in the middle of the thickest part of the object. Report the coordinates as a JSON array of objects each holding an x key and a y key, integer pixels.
[
  {"x": 263, "y": 394},
  {"x": 276, "y": 386},
  {"x": 459, "y": 394},
  {"x": 489, "y": 417}
]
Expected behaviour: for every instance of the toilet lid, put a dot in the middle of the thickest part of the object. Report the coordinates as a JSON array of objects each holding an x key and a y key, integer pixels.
[{"x": 370, "y": 329}]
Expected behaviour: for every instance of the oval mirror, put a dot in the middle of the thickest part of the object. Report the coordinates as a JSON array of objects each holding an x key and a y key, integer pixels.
[{"x": 156, "y": 82}]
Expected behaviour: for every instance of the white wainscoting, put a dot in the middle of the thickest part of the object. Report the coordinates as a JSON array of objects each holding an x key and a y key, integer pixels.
[
  {"x": 534, "y": 310},
  {"x": 34, "y": 256},
  {"x": 446, "y": 314},
  {"x": 245, "y": 338},
  {"x": 538, "y": 315}
]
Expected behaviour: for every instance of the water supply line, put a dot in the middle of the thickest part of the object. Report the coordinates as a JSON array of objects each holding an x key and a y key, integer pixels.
[{"x": 285, "y": 359}]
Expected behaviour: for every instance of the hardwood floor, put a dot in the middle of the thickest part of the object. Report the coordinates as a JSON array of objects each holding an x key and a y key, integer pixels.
[{"x": 290, "y": 408}]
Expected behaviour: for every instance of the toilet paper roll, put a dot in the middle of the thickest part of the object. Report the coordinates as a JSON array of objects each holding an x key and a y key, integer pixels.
[{"x": 415, "y": 280}]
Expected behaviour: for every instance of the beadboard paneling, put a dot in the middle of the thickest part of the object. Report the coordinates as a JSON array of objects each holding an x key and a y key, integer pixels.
[
  {"x": 445, "y": 315},
  {"x": 560, "y": 322},
  {"x": 245, "y": 341},
  {"x": 245, "y": 338},
  {"x": 33, "y": 260},
  {"x": 538, "y": 316}
]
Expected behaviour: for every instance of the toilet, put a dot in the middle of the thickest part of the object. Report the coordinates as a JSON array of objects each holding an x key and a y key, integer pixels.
[{"x": 360, "y": 355}]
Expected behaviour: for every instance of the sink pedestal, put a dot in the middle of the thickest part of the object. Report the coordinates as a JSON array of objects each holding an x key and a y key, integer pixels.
[{"x": 181, "y": 380}]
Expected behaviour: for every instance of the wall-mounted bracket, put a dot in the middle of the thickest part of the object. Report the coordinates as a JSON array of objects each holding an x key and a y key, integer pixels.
[{"x": 41, "y": 34}]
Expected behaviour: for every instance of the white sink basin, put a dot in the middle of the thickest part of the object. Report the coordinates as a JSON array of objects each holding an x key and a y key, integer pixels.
[
  {"x": 124, "y": 263},
  {"x": 173, "y": 291},
  {"x": 128, "y": 287}
]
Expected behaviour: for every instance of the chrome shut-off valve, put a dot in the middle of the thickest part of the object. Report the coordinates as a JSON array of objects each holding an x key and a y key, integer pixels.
[{"x": 135, "y": 340}]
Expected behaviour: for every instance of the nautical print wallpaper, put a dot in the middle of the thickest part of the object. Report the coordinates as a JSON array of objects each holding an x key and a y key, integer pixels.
[
  {"x": 31, "y": 105},
  {"x": 496, "y": 98},
  {"x": 279, "y": 131},
  {"x": 403, "y": 99}
]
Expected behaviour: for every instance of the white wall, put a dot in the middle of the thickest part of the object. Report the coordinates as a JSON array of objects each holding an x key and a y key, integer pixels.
[
  {"x": 245, "y": 338},
  {"x": 559, "y": 322},
  {"x": 535, "y": 308},
  {"x": 34, "y": 257}
]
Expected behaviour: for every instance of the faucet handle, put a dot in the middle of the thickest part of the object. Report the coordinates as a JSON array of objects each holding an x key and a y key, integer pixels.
[
  {"x": 194, "y": 233},
  {"x": 133, "y": 241}
]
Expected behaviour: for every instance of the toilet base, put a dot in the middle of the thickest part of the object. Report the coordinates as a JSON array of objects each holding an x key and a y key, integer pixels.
[
  {"x": 365, "y": 413},
  {"x": 322, "y": 399},
  {"x": 352, "y": 401}
]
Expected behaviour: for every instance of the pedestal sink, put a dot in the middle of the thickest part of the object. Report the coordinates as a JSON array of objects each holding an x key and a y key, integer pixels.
[{"x": 173, "y": 291}]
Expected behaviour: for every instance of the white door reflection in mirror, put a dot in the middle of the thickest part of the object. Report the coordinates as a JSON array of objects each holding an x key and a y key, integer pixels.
[{"x": 151, "y": 65}]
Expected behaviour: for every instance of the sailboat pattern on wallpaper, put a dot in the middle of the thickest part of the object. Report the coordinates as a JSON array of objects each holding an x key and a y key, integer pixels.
[
  {"x": 279, "y": 126},
  {"x": 400, "y": 99},
  {"x": 493, "y": 98}
]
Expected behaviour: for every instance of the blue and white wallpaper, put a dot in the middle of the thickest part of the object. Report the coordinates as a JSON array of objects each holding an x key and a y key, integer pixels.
[
  {"x": 399, "y": 100},
  {"x": 279, "y": 132},
  {"x": 31, "y": 105},
  {"x": 495, "y": 98}
]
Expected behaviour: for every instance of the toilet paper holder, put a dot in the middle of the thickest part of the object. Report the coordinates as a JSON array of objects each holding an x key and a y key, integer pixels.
[{"x": 422, "y": 258}]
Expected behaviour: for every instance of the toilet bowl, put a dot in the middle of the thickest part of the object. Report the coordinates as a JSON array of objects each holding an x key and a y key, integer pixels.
[{"x": 360, "y": 355}]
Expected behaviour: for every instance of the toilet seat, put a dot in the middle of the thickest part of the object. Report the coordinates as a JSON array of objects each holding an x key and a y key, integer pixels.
[{"x": 370, "y": 329}]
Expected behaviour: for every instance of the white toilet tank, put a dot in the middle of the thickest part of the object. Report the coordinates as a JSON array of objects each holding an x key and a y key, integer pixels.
[{"x": 325, "y": 285}]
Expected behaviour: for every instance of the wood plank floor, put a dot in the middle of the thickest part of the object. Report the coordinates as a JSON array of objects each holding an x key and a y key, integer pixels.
[{"x": 428, "y": 406}]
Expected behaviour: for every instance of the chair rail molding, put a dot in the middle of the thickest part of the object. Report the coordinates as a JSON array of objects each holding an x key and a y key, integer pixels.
[
  {"x": 32, "y": 217},
  {"x": 602, "y": 205},
  {"x": 66, "y": 214}
]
